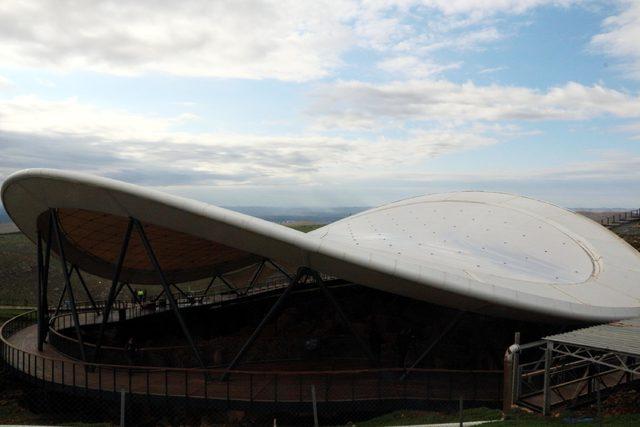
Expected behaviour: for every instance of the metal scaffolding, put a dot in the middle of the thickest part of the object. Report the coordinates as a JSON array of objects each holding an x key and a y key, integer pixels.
[{"x": 572, "y": 367}]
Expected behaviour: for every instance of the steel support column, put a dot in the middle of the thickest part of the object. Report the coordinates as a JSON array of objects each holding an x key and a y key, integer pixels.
[
  {"x": 255, "y": 277},
  {"x": 41, "y": 308},
  {"x": 45, "y": 283},
  {"x": 213, "y": 279},
  {"x": 280, "y": 269},
  {"x": 86, "y": 289},
  {"x": 114, "y": 288},
  {"x": 272, "y": 311},
  {"x": 303, "y": 272},
  {"x": 133, "y": 294},
  {"x": 432, "y": 344},
  {"x": 165, "y": 285},
  {"x": 67, "y": 280},
  {"x": 223, "y": 280},
  {"x": 343, "y": 317},
  {"x": 60, "y": 300},
  {"x": 546, "y": 392}
]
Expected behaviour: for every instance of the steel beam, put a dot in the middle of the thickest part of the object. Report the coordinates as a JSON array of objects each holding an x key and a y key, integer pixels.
[
  {"x": 272, "y": 311},
  {"x": 86, "y": 289},
  {"x": 227, "y": 284},
  {"x": 345, "y": 321},
  {"x": 546, "y": 391},
  {"x": 183, "y": 293},
  {"x": 59, "y": 306},
  {"x": 213, "y": 279},
  {"x": 165, "y": 285},
  {"x": 41, "y": 307},
  {"x": 45, "y": 282},
  {"x": 67, "y": 280},
  {"x": 303, "y": 272},
  {"x": 432, "y": 344},
  {"x": 113, "y": 291},
  {"x": 255, "y": 277},
  {"x": 133, "y": 294},
  {"x": 280, "y": 269}
]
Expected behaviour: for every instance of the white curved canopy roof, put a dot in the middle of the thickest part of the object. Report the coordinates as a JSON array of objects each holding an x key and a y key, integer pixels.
[{"x": 491, "y": 253}]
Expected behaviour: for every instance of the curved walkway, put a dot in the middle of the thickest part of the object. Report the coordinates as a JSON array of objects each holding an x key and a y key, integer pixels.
[{"x": 19, "y": 352}]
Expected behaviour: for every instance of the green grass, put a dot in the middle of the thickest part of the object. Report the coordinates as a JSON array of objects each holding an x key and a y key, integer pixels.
[
  {"x": 406, "y": 418},
  {"x": 399, "y": 418},
  {"x": 532, "y": 420},
  {"x": 305, "y": 228}
]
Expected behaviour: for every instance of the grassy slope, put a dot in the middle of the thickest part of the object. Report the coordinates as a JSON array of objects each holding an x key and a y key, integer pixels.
[{"x": 18, "y": 272}]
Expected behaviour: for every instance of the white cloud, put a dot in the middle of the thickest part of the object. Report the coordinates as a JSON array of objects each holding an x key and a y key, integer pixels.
[
  {"x": 413, "y": 67},
  {"x": 287, "y": 40},
  {"x": 360, "y": 105},
  {"x": 4, "y": 82},
  {"x": 148, "y": 149},
  {"x": 621, "y": 38},
  {"x": 491, "y": 70},
  {"x": 491, "y": 7},
  {"x": 253, "y": 39}
]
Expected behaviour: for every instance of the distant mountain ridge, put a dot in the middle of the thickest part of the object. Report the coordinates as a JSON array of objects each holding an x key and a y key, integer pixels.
[{"x": 277, "y": 214}]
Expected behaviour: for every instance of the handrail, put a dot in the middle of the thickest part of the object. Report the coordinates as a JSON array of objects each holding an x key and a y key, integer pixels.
[
  {"x": 282, "y": 386},
  {"x": 623, "y": 218},
  {"x": 135, "y": 311}
]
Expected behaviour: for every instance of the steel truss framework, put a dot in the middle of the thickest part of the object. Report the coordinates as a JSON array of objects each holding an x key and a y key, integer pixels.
[
  {"x": 594, "y": 362},
  {"x": 303, "y": 275},
  {"x": 568, "y": 373},
  {"x": 54, "y": 239}
]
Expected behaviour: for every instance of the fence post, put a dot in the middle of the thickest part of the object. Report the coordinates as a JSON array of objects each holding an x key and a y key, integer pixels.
[
  {"x": 122, "y": 407},
  {"x": 548, "y": 359},
  {"x": 315, "y": 406},
  {"x": 599, "y": 404},
  {"x": 460, "y": 409}
]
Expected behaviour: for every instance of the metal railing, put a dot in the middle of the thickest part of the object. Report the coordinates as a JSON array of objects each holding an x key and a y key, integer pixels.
[
  {"x": 244, "y": 388},
  {"x": 620, "y": 218},
  {"x": 574, "y": 381},
  {"x": 68, "y": 345}
]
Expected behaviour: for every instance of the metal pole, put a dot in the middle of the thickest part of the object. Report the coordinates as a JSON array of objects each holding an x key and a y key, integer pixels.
[
  {"x": 315, "y": 406},
  {"x": 112, "y": 291},
  {"x": 365, "y": 348},
  {"x": 179, "y": 290},
  {"x": 165, "y": 285},
  {"x": 255, "y": 277},
  {"x": 133, "y": 294},
  {"x": 280, "y": 269},
  {"x": 122, "y": 407},
  {"x": 86, "y": 289},
  {"x": 432, "y": 344},
  {"x": 41, "y": 308},
  {"x": 213, "y": 279},
  {"x": 301, "y": 272},
  {"x": 460, "y": 409},
  {"x": 67, "y": 278},
  {"x": 60, "y": 300},
  {"x": 45, "y": 282},
  {"x": 227, "y": 284},
  {"x": 546, "y": 401}
]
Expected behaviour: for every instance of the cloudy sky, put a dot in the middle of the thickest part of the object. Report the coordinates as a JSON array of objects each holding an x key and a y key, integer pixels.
[{"x": 338, "y": 103}]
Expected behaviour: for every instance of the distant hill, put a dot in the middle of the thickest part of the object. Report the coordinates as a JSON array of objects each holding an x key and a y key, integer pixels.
[{"x": 286, "y": 215}]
